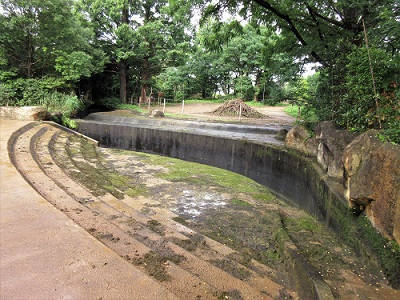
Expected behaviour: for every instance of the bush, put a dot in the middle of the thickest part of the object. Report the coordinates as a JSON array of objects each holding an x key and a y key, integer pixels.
[
  {"x": 32, "y": 91},
  {"x": 59, "y": 103},
  {"x": 45, "y": 92},
  {"x": 109, "y": 102}
]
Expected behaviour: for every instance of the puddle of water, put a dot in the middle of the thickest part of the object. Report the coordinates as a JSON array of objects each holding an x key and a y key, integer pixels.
[{"x": 193, "y": 203}]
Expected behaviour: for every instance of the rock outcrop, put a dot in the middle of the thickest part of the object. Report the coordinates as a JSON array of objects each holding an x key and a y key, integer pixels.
[
  {"x": 281, "y": 135},
  {"x": 157, "y": 114},
  {"x": 25, "y": 113},
  {"x": 331, "y": 144},
  {"x": 368, "y": 168},
  {"x": 299, "y": 138},
  {"x": 372, "y": 181}
]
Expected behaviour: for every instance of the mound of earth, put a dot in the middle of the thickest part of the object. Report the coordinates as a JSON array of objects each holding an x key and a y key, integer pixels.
[{"x": 235, "y": 107}]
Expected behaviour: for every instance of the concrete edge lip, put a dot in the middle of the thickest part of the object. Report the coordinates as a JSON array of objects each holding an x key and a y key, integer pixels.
[{"x": 257, "y": 133}]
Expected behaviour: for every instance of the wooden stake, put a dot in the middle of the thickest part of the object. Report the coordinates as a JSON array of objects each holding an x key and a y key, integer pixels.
[{"x": 164, "y": 107}]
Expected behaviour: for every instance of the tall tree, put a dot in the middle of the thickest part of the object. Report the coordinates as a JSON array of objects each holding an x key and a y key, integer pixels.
[
  {"x": 45, "y": 38},
  {"x": 114, "y": 29},
  {"x": 313, "y": 28},
  {"x": 139, "y": 36}
]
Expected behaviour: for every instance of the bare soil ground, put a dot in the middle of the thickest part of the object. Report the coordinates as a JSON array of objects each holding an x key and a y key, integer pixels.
[{"x": 203, "y": 111}]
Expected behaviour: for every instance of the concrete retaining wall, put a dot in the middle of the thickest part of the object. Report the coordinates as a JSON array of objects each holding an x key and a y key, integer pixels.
[{"x": 287, "y": 173}]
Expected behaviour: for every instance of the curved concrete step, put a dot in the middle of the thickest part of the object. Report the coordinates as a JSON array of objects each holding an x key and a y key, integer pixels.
[
  {"x": 109, "y": 234},
  {"x": 260, "y": 275},
  {"x": 89, "y": 211},
  {"x": 170, "y": 232}
]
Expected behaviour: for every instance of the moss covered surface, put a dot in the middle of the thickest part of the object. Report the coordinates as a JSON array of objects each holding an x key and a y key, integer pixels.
[{"x": 249, "y": 218}]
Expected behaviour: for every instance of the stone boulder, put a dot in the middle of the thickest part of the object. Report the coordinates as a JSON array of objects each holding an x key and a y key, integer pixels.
[
  {"x": 331, "y": 144},
  {"x": 372, "y": 181},
  {"x": 281, "y": 135},
  {"x": 299, "y": 138},
  {"x": 157, "y": 114},
  {"x": 25, "y": 113}
]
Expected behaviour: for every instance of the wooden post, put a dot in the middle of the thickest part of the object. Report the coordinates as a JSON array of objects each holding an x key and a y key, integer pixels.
[
  {"x": 240, "y": 112},
  {"x": 183, "y": 105},
  {"x": 164, "y": 107}
]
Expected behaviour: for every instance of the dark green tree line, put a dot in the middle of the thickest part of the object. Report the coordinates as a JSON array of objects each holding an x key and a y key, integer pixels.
[
  {"x": 333, "y": 35},
  {"x": 124, "y": 50}
]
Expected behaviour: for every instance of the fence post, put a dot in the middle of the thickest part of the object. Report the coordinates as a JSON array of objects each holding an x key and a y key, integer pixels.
[{"x": 164, "y": 107}]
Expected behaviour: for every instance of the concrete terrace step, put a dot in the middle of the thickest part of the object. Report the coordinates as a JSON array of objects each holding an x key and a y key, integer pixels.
[
  {"x": 171, "y": 230},
  {"x": 260, "y": 274},
  {"x": 45, "y": 255},
  {"x": 117, "y": 240},
  {"x": 122, "y": 227}
]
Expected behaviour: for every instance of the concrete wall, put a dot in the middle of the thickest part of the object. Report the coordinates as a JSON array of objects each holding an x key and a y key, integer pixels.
[
  {"x": 284, "y": 172},
  {"x": 287, "y": 173}
]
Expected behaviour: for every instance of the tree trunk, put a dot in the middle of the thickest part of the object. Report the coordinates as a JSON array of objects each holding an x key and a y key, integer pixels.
[
  {"x": 123, "y": 70},
  {"x": 145, "y": 76},
  {"x": 30, "y": 50},
  {"x": 258, "y": 85},
  {"x": 123, "y": 65}
]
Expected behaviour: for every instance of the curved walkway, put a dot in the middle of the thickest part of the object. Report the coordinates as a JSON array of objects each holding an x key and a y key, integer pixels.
[{"x": 45, "y": 255}]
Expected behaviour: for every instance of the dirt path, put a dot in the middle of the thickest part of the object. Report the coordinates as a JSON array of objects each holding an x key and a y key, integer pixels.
[{"x": 202, "y": 111}]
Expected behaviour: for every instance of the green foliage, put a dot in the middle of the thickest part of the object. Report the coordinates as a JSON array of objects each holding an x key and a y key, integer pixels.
[
  {"x": 60, "y": 103},
  {"x": 74, "y": 65},
  {"x": 129, "y": 48},
  {"x": 40, "y": 38},
  {"x": 244, "y": 88},
  {"x": 362, "y": 109},
  {"x": 109, "y": 102},
  {"x": 32, "y": 91}
]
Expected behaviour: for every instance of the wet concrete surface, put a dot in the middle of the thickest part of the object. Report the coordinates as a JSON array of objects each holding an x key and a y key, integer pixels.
[{"x": 263, "y": 133}]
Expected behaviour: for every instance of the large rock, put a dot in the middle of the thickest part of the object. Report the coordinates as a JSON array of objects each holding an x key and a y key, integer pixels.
[
  {"x": 157, "y": 114},
  {"x": 331, "y": 144},
  {"x": 372, "y": 174},
  {"x": 25, "y": 113},
  {"x": 299, "y": 138}
]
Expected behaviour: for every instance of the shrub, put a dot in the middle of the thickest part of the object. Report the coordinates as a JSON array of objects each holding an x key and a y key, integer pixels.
[{"x": 109, "y": 102}]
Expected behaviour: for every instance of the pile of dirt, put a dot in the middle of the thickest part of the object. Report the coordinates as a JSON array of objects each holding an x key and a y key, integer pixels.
[{"x": 235, "y": 107}]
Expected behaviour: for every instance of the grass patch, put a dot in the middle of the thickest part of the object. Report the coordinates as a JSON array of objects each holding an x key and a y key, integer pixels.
[
  {"x": 255, "y": 103},
  {"x": 182, "y": 171},
  {"x": 292, "y": 110},
  {"x": 302, "y": 113},
  {"x": 267, "y": 197},
  {"x": 133, "y": 107},
  {"x": 136, "y": 191},
  {"x": 201, "y": 101},
  {"x": 241, "y": 203},
  {"x": 306, "y": 223}
]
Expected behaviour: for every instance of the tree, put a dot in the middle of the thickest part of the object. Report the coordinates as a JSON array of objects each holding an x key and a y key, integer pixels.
[
  {"x": 141, "y": 38},
  {"x": 44, "y": 42},
  {"x": 329, "y": 33}
]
